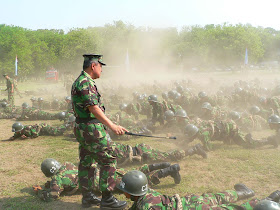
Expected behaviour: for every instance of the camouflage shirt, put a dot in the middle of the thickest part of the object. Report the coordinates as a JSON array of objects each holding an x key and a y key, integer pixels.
[{"x": 84, "y": 94}]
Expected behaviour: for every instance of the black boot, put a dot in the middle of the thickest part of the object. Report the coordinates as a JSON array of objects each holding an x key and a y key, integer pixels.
[
  {"x": 108, "y": 201},
  {"x": 196, "y": 149},
  {"x": 173, "y": 171},
  {"x": 243, "y": 191},
  {"x": 275, "y": 196},
  {"x": 157, "y": 166},
  {"x": 90, "y": 199}
]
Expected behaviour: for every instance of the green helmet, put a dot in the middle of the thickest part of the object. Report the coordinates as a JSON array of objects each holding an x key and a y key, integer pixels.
[
  {"x": 180, "y": 89},
  {"x": 122, "y": 106},
  {"x": 172, "y": 94},
  {"x": 134, "y": 183},
  {"x": 181, "y": 113},
  {"x": 177, "y": 96},
  {"x": 40, "y": 99},
  {"x": 25, "y": 105},
  {"x": 169, "y": 115},
  {"x": 4, "y": 104},
  {"x": 68, "y": 98},
  {"x": 191, "y": 130},
  {"x": 267, "y": 205},
  {"x": 33, "y": 98},
  {"x": 153, "y": 98},
  {"x": 206, "y": 105},
  {"x": 274, "y": 119},
  {"x": 71, "y": 118},
  {"x": 255, "y": 110},
  {"x": 238, "y": 90},
  {"x": 17, "y": 126},
  {"x": 61, "y": 115},
  {"x": 202, "y": 94},
  {"x": 50, "y": 167},
  {"x": 234, "y": 115}
]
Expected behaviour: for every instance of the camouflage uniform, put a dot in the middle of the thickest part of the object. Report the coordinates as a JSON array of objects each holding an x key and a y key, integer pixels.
[
  {"x": 66, "y": 180},
  {"x": 35, "y": 114},
  {"x": 43, "y": 129},
  {"x": 251, "y": 123},
  {"x": 95, "y": 145},
  {"x": 217, "y": 201},
  {"x": 158, "y": 112},
  {"x": 226, "y": 131},
  {"x": 127, "y": 154},
  {"x": 11, "y": 99}
]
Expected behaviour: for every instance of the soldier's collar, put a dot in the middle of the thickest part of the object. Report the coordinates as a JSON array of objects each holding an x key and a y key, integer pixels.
[{"x": 87, "y": 75}]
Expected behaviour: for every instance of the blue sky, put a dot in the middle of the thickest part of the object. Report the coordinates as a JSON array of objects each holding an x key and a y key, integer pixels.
[{"x": 62, "y": 14}]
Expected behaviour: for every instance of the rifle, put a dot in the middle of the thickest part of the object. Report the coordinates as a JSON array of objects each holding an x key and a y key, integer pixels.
[{"x": 143, "y": 135}]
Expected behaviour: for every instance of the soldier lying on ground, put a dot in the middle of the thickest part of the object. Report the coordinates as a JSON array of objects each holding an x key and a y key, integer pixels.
[
  {"x": 134, "y": 185},
  {"x": 33, "y": 131},
  {"x": 64, "y": 178}
]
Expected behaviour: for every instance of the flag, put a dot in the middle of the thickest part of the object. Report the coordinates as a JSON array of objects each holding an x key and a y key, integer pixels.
[
  {"x": 127, "y": 62},
  {"x": 246, "y": 57},
  {"x": 16, "y": 70}
]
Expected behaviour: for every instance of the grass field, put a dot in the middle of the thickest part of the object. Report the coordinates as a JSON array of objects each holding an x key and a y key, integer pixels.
[{"x": 226, "y": 165}]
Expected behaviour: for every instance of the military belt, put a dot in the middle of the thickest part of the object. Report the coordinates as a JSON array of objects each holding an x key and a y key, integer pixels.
[{"x": 87, "y": 120}]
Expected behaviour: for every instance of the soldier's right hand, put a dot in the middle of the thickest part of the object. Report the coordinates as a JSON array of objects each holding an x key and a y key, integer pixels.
[{"x": 118, "y": 130}]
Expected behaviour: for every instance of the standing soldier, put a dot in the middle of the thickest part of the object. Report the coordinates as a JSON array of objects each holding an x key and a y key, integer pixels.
[
  {"x": 10, "y": 89},
  {"x": 95, "y": 145}
]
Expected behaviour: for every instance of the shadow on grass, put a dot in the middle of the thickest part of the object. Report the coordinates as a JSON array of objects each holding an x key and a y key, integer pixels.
[{"x": 33, "y": 202}]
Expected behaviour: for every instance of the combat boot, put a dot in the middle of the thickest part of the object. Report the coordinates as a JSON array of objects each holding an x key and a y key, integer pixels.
[
  {"x": 108, "y": 201},
  {"x": 196, "y": 149},
  {"x": 243, "y": 192},
  {"x": 275, "y": 196},
  {"x": 173, "y": 171},
  {"x": 157, "y": 166},
  {"x": 90, "y": 199}
]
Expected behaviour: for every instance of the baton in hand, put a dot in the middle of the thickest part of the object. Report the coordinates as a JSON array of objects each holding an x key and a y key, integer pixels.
[{"x": 143, "y": 135}]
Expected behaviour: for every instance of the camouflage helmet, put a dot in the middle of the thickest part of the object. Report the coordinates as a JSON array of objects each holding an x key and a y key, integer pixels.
[
  {"x": 33, "y": 98},
  {"x": 172, "y": 94},
  {"x": 40, "y": 99},
  {"x": 202, "y": 94},
  {"x": 234, "y": 115},
  {"x": 25, "y": 105},
  {"x": 254, "y": 110},
  {"x": 153, "y": 98},
  {"x": 181, "y": 113},
  {"x": 164, "y": 95},
  {"x": 50, "y": 167},
  {"x": 68, "y": 98},
  {"x": 122, "y": 106},
  {"x": 61, "y": 115},
  {"x": 206, "y": 105},
  {"x": 17, "y": 126},
  {"x": 267, "y": 205},
  {"x": 169, "y": 115},
  {"x": 274, "y": 119},
  {"x": 4, "y": 104},
  {"x": 134, "y": 183},
  {"x": 71, "y": 118},
  {"x": 191, "y": 130}
]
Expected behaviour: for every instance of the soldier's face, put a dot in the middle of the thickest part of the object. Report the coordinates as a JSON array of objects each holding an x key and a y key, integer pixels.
[{"x": 96, "y": 70}]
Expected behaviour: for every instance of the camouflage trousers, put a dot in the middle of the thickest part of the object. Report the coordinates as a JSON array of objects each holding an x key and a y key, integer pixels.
[
  {"x": 47, "y": 130},
  {"x": 95, "y": 147},
  {"x": 152, "y": 176},
  {"x": 217, "y": 201},
  {"x": 11, "y": 99},
  {"x": 143, "y": 152}
]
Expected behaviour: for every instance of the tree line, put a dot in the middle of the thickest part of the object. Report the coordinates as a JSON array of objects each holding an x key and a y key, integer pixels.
[{"x": 210, "y": 45}]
